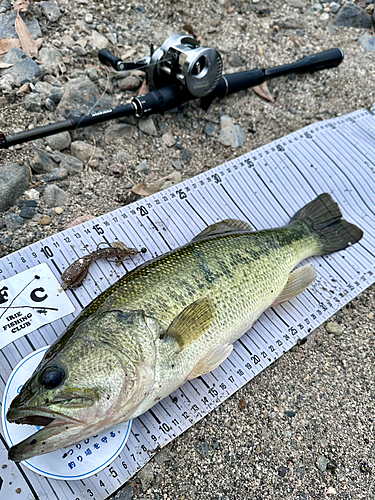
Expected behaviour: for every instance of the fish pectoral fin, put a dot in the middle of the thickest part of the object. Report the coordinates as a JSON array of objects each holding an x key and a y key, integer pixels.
[
  {"x": 297, "y": 282},
  {"x": 222, "y": 227},
  {"x": 213, "y": 359},
  {"x": 191, "y": 323}
]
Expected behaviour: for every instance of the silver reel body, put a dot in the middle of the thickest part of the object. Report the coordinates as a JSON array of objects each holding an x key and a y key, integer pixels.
[{"x": 181, "y": 60}]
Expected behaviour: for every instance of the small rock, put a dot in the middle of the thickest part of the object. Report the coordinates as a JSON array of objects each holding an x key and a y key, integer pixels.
[
  {"x": 24, "y": 69},
  {"x": 14, "y": 180},
  {"x": 282, "y": 471},
  {"x": 59, "y": 141},
  {"x": 128, "y": 185},
  {"x": 89, "y": 18},
  {"x": 118, "y": 131},
  {"x": 162, "y": 457},
  {"x": 32, "y": 194},
  {"x": 202, "y": 448},
  {"x": 41, "y": 162},
  {"x": 50, "y": 105},
  {"x": 92, "y": 73},
  {"x": 51, "y": 11},
  {"x": 116, "y": 170},
  {"x": 321, "y": 463},
  {"x": 8, "y": 30},
  {"x": 13, "y": 221},
  {"x": 81, "y": 96},
  {"x": 140, "y": 9},
  {"x": 186, "y": 155},
  {"x": 231, "y": 134},
  {"x": 368, "y": 42},
  {"x": 143, "y": 167},
  {"x": 331, "y": 491},
  {"x": 176, "y": 164},
  {"x": 56, "y": 94},
  {"x": 72, "y": 164},
  {"x": 56, "y": 156},
  {"x": 55, "y": 196},
  {"x": 125, "y": 493},
  {"x": 209, "y": 128},
  {"x": 298, "y": 4},
  {"x": 2, "y": 224},
  {"x": 169, "y": 139},
  {"x": 123, "y": 156},
  {"x": 98, "y": 41},
  {"x": 59, "y": 210},
  {"x": 33, "y": 103},
  {"x": 333, "y": 327},
  {"x": 84, "y": 151},
  {"x": 352, "y": 16},
  {"x": 290, "y": 413},
  {"x": 27, "y": 212},
  {"x": 7, "y": 82},
  {"x": 324, "y": 16},
  {"x": 129, "y": 83},
  {"x": 235, "y": 60},
  {"x": 56, "y": 175},
  {"x": 146, "y": 476},
  {"x": 27, "y": 203},
  {"x": 147, "y": 126},
  {"x": 44, "y": 221}
]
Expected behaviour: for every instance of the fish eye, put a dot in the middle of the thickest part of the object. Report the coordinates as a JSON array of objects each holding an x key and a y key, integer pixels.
[{"x": 52, "y": 377}]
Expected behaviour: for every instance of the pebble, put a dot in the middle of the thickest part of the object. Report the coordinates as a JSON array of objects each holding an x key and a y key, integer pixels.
[
  {"x": 235, "y": 60},
  {"x": 59, "y": 210},
  {"x": 24, "y": 69},
  {"x": 8, "y": 30},
  {"x": 290, "y": 413},
  {"x": 324, "y": 16},
  {"x": 2, "y": 224},
  {"x": 147, "y": 126},
  {"x": 202, "y": 448},
  {"x": 27, "y": 212},
  {"x": 55, "y": 175},
  {"x": 27, "y": 203},
  {"x": 13, "y": 221},
  {"x": 84, "y": 151},
  {"x": 368, "y": 42},
  {"x": 129, "y": 83},
  {"x": 82, "y": 95},
  {"x": 231, "y": 134},
  {"x": 123, "y": 156},
  {"x": 333, "y": 327},
  {"x": 335, "y": 7},
  {"x": 169, "y": 139},
  {"x": 98, "y": 41},
  {"x": 282, "y": 471},
  {"x": 44, "y": 221},
  {"x": 50, "y": 105},
  {"x": 352, "y": 16},
  {"x": 7, "y": 83},
  {"x": 51, "y": 58},
  {"x": 125, "y": 493},
  {"x": 176, "y": 164},
  {"x": 55, "y": 196},
  {"x": 42, "y": 162},
  {"x": 51, "y": 11},
  {"x": 209, "y": 128},
  {"x": 89, "y": 18},
  {"x": 72, "y": 164},
  {"x": 59, "y": 141},
  {"x": 298, "y": 4},
  {"x": 32, "y": 194},
  {"x": 186, "y": 155},
  {"x": 92, "y": 73},
  {"x": 14, "y": 180},
  {"x": 118, "y": 131},
  {"x": 143, "y": 167},
  {"x": 322, "y": 462},
  {"x": 33, "y": 103}
]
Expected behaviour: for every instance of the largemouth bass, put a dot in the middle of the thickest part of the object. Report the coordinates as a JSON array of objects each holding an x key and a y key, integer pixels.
[{"x": 170, "y": 320}]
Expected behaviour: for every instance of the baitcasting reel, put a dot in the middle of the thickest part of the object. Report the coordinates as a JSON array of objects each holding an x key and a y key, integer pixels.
[{"x": 179, "y": 60}]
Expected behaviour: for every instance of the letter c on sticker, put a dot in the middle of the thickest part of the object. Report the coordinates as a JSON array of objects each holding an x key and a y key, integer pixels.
[{"x": 35, "y": 298}]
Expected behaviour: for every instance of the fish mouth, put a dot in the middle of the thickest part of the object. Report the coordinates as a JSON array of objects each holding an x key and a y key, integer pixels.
[{"x": 56, "y": 427}]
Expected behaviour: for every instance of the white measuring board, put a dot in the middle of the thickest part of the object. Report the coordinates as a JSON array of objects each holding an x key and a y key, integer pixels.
[{"x": 265, "y": 188}]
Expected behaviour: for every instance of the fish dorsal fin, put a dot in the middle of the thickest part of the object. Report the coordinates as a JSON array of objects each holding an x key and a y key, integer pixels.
[
  {"x": 224, "y": 226},
  {"x": 297, "y": 282},
  {"x": 191, "y": 323},
  {"x": 212, "y": 360}
]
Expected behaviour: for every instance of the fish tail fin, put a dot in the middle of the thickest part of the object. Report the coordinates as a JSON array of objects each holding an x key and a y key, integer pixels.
[{"x": 324, "y": 218}]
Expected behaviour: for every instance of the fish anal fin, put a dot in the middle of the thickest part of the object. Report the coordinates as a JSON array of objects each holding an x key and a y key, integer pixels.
[
  {"x": 191, "y": 323},
  {"x": 212, "y": 360},
  {"x": 224, "y": 226},
  {"x": 297, "y": 282}
]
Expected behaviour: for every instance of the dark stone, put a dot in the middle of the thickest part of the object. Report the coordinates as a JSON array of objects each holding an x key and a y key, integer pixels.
[
  {"x": 140, "y": 9},
  {"x": 209, "y": 129},
  {"x": 2, "y": 224},
  {"x": 56, "y": 175},
  {"x": 125, "y": 493},
  {"x": 13, "y": 221},
  {"x": 289, "y": 413},
  {"x": 8, "y": 30},
  {"x": 14, "y": 180},
  {"x": 282, "y": 471},
  {"x": 24, "y": 69},
  {"x": 42, "y": 163},
  {"x": 352, "y": 16},
  {"x": 202, "y": 448},
  {"x": 186, "y": 155},
  {"x": 33, "y": 103},
  {"x": 56, "y": 94},
  {"x": 72, "y": 164},
  {"x": 27, "y": 203},
  {"x": 27, "y": 212},
  {"x": 82, "y": 95}
]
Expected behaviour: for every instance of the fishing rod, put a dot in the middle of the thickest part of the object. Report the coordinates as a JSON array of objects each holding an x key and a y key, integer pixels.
[{"x": 179, "y": 71}]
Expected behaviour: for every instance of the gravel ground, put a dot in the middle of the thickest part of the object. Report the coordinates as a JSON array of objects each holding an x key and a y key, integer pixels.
[{"x": 248, "y": 447}]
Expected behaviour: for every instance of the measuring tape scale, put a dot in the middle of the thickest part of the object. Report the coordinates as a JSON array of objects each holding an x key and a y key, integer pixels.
[{"x": 171, "y": 218}]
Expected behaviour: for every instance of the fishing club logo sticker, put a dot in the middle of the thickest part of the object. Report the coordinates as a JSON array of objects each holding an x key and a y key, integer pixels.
[{"x": 30, "y": 300}]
